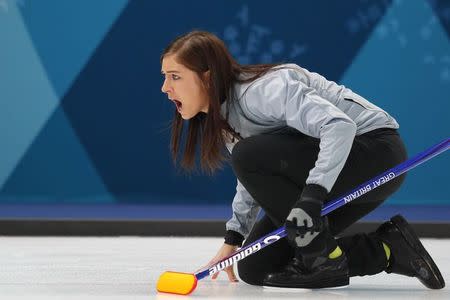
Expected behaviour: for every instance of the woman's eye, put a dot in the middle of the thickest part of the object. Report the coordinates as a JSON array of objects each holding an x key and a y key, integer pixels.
[{"x": 175, "y": 77}]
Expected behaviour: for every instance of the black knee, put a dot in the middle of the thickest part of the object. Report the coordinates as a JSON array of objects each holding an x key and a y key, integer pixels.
[{"x": 248, "y": 274}]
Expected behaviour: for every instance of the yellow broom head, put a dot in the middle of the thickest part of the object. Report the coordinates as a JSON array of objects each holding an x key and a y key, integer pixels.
[{"x": 176, "y": 283}]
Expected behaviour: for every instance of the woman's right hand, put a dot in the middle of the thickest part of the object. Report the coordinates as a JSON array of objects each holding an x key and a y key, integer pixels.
[{"x": 224, "y": 251}]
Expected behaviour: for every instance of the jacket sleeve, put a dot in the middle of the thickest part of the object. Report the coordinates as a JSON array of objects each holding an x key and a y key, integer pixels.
[
  {"x": 280, "y": 97},
  {"x": 244, "y": 208},
  {"x": 245, "y": 211}
]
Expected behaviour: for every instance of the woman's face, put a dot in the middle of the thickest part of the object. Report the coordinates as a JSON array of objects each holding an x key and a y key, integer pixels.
[{"x": 184, "y": 88}]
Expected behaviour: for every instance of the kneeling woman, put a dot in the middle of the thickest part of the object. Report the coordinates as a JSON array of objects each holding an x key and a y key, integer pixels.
[{"x": 297, "y": 140}]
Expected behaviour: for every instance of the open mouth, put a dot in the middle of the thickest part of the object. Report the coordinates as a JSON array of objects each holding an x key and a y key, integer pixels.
[{"x": 178, "y": 104}]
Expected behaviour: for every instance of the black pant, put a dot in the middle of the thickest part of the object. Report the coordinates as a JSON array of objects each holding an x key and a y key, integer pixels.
[{"x": 274, "y": 167}]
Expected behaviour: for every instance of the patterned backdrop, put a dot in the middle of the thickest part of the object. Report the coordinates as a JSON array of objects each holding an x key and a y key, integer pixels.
[{"x": 83, "y": 120}]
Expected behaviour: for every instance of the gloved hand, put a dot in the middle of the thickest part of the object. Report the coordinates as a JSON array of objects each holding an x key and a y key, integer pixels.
[{"x": 304, "y": 222}]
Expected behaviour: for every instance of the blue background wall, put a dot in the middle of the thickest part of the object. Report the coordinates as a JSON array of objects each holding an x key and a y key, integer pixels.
[{"x": 83, "y": 120}]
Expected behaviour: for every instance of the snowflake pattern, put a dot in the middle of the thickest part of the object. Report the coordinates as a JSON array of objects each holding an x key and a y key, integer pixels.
[
  {"x": 366, "y": 18},
  {"x": 253, "y": 43},
  {"x": 394, "y": 29}
]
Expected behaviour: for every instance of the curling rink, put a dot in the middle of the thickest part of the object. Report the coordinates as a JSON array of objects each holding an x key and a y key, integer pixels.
[{"x": 128, "y": 268}]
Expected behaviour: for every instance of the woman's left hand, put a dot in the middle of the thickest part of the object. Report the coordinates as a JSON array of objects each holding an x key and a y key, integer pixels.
[{"x": 224, "y": 251}]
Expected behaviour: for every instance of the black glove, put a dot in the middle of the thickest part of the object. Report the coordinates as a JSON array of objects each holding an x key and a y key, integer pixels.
[{"x": 304, "y": 222}]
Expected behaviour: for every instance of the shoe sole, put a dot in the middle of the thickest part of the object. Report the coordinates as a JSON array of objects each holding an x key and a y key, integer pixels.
[
  {"x": 336, "y": 282},
  {"x": 284, "y": 289},
  {"x": 413, "y": 241}
]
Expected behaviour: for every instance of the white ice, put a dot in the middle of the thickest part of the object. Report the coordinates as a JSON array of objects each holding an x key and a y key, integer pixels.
[{"x": 128, "y": 268}]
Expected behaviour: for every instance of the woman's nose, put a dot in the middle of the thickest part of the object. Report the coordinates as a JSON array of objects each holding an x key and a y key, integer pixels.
[{"x": 165, "y": 87}]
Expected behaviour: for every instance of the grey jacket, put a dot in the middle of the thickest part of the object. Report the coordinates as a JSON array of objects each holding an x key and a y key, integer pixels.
[{"x": 291, "y": 96}]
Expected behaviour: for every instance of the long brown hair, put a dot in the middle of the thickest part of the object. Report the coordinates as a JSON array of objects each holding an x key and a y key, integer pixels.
[{"x": 202, "y": 51}]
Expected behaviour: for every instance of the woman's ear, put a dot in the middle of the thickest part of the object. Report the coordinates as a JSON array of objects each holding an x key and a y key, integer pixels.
[{"x": 206, "y": 78}]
